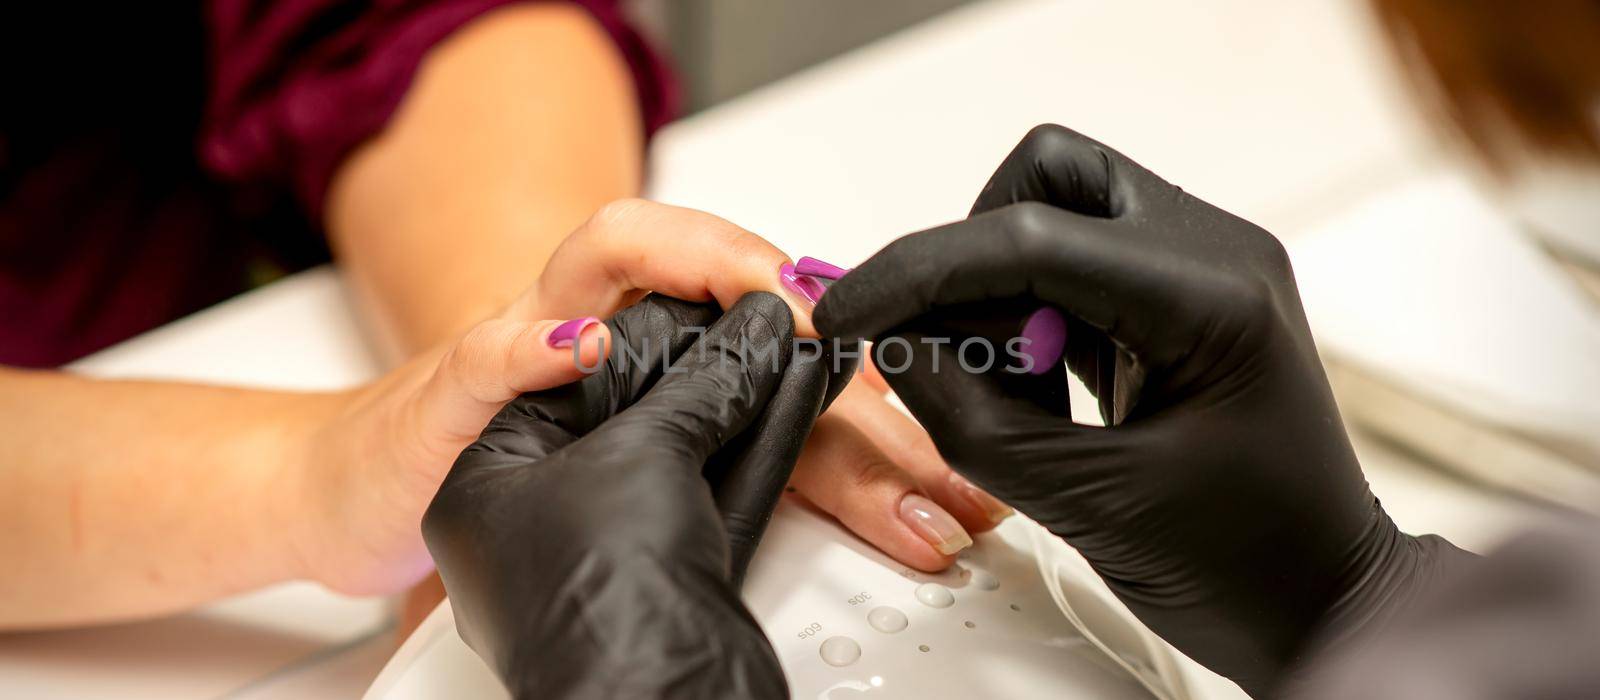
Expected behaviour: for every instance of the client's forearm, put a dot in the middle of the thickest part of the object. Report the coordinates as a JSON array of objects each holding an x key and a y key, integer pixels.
[
  {"x": 128, "y": 499},
  {"x": 515, "y": 130}
]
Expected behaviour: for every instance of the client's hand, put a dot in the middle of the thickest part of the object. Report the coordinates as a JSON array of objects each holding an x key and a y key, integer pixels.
[
  {"x": 1224, "y": 505},
  {"x": 592, "y": 537},
  {"x": 867, "y": 464},
  {"x": 380, "y": 452},
  {"x": 376, "y": 455}
]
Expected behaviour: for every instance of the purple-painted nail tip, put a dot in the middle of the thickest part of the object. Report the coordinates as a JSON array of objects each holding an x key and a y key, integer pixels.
[
  {"x": 818, "y": 268},
  {"x": 804, "y": 286},
  {"x": 567, "y": 333},
  {"x": 1046, "y": 331}
]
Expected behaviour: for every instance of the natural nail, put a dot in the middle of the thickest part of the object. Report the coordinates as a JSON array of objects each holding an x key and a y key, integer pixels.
[
  {"x": 802, "y": 286},
  {"x": 819, "y": 268},
  {"x": 980, "y": 499},
  {"x": 933, "y": 524},
  {"x": 567, "y": 333}
]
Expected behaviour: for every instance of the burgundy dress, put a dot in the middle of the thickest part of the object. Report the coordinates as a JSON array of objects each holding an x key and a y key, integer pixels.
[{"x": 156, "y": 158}]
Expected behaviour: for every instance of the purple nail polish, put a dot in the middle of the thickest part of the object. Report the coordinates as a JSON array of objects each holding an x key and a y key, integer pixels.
[
  {"x": 802, "y": 286},
  {"x": 567, "y": 333},
  {"x": 1046, "y": 331},
  {"x": 818, "y": 268},
  {"x": 1002, "y": 321}
]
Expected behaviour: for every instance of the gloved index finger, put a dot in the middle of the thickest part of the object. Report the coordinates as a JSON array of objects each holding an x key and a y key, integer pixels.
[
  {"x": 1063, "y": 168},
  {"x": 747, "y": 477},
  {"x": 1111, "y": 276},
  {"x": 643, "y": 337},
  {"x": 714, "y": 390}
]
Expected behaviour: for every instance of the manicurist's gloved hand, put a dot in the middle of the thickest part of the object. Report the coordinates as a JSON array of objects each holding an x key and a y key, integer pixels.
[
  {"x": 1224, "y": 505},
  {"x": 592, "y": 538}
]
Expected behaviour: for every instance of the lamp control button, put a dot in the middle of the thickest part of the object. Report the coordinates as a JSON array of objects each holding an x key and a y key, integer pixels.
[
  {"x": 887, "y": 620},
  {"x": 840, "y": 651},
  {"x": 934, "y": 595},
  {"x": 980, "y": 579}
]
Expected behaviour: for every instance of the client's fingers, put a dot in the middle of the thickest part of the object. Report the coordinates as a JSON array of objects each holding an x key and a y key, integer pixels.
[
  {"x": 633, "y": 246},
  {"x": 498, "y": 360},
  {"x": 872, "y": 377},
  {"x": 844, "y": 474},
  {"x": 895, "y": 434}
]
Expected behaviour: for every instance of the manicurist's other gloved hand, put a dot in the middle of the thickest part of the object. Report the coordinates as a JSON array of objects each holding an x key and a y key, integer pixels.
[
  {"x": 592, "y": 538},
  {"x": 1223, "y": 504}
]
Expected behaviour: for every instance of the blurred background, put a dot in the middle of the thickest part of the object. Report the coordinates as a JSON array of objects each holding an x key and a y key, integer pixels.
[{"x": 723, "y": 48}]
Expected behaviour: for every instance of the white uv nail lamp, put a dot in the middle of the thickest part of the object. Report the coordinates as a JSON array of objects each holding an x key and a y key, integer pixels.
[{"x": 1019, "y": 616}]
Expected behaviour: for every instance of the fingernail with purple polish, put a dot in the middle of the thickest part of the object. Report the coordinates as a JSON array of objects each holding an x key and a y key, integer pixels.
[
  {"x": 1046, "y": 331},
  {"x": 802, "y": 286},
  {"x": 819, "y": 268},
  {"x": 567, "y": 333}
]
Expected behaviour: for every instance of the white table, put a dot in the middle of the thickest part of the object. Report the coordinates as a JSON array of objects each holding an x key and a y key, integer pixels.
[{"x": 1281, "y": 112}]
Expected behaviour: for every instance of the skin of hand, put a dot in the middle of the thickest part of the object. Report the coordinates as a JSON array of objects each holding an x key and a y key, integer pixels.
[
  {"x": 1224, "y": 504},
  {"x": 593, "y": 537},
  {"x": 131, "y": 499},
  {"x": 877, "y": 471},
  {"x": 444, "y": 218}
]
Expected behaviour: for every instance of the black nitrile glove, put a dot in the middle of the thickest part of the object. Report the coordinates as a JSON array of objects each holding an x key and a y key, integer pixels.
[
  {"x": 1224, "y": 506},
  {"x": 584, "y": 549}
]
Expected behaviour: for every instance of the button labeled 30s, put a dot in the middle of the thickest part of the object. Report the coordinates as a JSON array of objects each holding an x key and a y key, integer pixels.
[{"x": 887, "y": 620}]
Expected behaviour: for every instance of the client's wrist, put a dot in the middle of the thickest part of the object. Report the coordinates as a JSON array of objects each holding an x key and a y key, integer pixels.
[{"x": 315, "y": 459}]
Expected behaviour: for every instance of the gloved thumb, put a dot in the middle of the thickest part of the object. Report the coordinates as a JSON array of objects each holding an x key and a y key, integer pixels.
[
  {"x": 979, "y": 423},
  {"x": 1063, "y": 168},
  {"x": 711, "y": 392}
]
